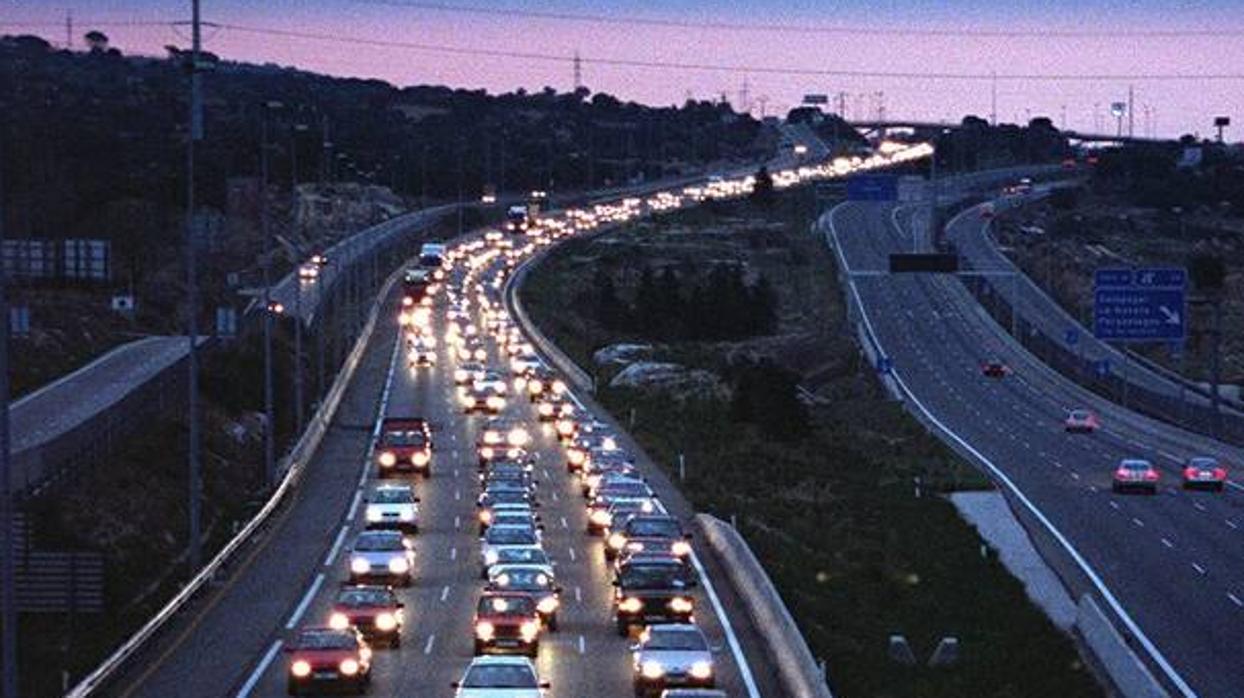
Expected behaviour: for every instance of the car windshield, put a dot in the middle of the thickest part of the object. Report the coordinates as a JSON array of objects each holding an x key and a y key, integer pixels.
[
  {"x": 510, "y": 535},
  {"x": 526, "y": 578},
  {"x": 655, "y": 528},
  {"x": 625, "y": 489},
  {"x": 500, "y": 677},
  {"x": 506, "y": 606},
  {"x": 652, "y": 576},
  {"x": 392, "y": 495},
  {"x": 1203, "y": 462},
  {"x": 407, "y": 437},
  {"x": 1135, "y": 465},
  {"x": 365, "y": 597},
  {"x": 326, "y": 640},
  {"x": 687, "y": 640},
  {"x": 531, "y": 555},
  {"x": 379, "y": 541},
  {"x": 1080, "y": 415},
  {"x": 507, "y": 496}
]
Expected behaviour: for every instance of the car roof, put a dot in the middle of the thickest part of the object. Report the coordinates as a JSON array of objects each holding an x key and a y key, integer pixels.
[
  {"x": 1135, "y": 463},
  {"x": 502, "y": 660}
]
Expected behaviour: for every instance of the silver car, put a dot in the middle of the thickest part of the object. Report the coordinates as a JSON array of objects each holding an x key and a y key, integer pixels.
[
  {"x": 393, "y": 506},
  {"x": 382, "y": 556},
  {"x": 672, "y": 655}
]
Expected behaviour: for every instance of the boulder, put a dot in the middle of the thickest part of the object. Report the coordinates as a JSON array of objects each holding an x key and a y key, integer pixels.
[
  {"x": 621, "y": 354},
  {"x": 674, "y": 380}
]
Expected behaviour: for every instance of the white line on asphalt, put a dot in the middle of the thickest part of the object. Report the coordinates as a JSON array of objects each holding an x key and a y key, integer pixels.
[
  {"x": 1057, "y": 464},
  {"x": 546, "y": 472},
  {"x": 582, "y": 645},
  {"x": 427, "y": 646},
  {"x": 354, "y": 505},
  {"x": 444, "y": 593},
  {"x": 1167, "y": 543},
  {"x": 1092, "y": 488},
  {"x": 457, "y": 522},
  {"x": 306, "y": 601},
  {"x": 1138, "y": 522},
  {"x": 453, "y": 553},
  {"x": 564, "y": 523},
  {"x": 555, "y": 497},
  {"x": 457, "y": 495},
  {"x": 572, "y": 554},
  {"x": 1114, "y": 505},
  {"x": 332, "y": 552},
  {"x": 578, "y": 594},
  {"x": 744, "y": 670},
  {"x": 1198, "y": 568},
  {"x": 262, "y": 667},
  {"x": 1235, "y": 599},
  {"x": 1199, "y": 506},
  {"x": 1231, "y": 523},
  {"x": 1168, "y": 455},
  {"x": 1075, "y": 475}
]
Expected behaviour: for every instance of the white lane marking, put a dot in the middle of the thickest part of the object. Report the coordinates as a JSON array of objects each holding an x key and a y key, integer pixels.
[
  {"x": 457, "y": 522},
  {"x": 1199, "y": 506},
  {"x": 354, "y": 505},
  {"x": 744, "y": 670},
  {"x": 453, "y": 553},
  {"x": 1235, "y": 599},
  {"x": 572, "y": 554},
  {"x": 578, "y": 594},
  {"x": 1114, "y": 505},
  {"x": 1198, "y": 568},
  {"x": 455, "y": 469},
  {"x": 427, "y": 646},
  {"x": 1057, "y": 464},
  {"x": 332, "y": 552},
  {"x": 306, "y": 601},
  {"x": 262, "y": 668},
  {"x": 444, "y": 593},
  {"x": 564, "y": 523},
  {"x": 1167, "y": 543},
  {"x": 546, "y": 472},
  {"x": 1092, "y": 488},
  {"x": 1111, "y": 600},
  {"x": 1075, "y": 475},
  {"x": 1231, "y": 523},
  {"x": 582, "y": 645},
  {"x": 555, "y": 497},
  {"x": 363, "y": 475},
  {"x": 458, "y": 495},
  {"x": 1138, "y": 522},
  {"x": 1168, "y": 455}
]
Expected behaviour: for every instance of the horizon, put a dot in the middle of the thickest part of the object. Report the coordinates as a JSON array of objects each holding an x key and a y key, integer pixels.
[{"x": 662, "y": 58}]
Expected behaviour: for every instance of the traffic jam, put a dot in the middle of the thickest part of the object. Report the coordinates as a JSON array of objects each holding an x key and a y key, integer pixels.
[{"x": 472, "y": 414}]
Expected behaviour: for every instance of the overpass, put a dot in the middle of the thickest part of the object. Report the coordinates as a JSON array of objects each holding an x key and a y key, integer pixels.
[{"x": 867, "y": 127}]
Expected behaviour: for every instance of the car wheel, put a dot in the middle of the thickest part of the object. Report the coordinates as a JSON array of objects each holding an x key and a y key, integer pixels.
[
  {"x": 396, "y": 642},
  {"x": 534, "y": 650},
  {"x": 479, "y": 648},
  {"x": 553, "y": 623},
  {"x": 291, "y": 688},
  {"x": 623, "y": 628}
]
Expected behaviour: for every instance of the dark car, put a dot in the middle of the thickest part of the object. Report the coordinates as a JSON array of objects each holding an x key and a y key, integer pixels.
[
  {"x": 507, "y": 622},
  {"x": 404, "y": 444},
  {"x": 995, "y": 368},
  {"x": 1136, "y": 474},
  {"x": 648, "y": 533},
  {"x": 328, "y": 658},
  {"x": 651, "y": 590},
  {"x": 1204, "y": 472},
  {"x": 374, "y": 610}
]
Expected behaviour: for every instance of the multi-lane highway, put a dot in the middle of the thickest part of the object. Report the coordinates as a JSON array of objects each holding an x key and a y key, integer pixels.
[{"x": 1169, "y": 563}]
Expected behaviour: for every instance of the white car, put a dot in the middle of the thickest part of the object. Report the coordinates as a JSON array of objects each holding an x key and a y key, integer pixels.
[
  {"x": 491, "y": 380},
  {"x": 393, "y": 506},
  {"x": 497, "y": 538},
  {"x": 500, "y": 677}
]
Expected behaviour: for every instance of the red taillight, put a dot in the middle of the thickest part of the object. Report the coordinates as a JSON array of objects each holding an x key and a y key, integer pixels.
[
  {"x": 1151, "y": 474},
  {"x": 1190, "y": 472},
  {"x": 1220, "y": 473}
]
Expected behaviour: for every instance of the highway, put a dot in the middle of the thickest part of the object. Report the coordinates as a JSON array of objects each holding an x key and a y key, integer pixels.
[{"x": 1171, "y": 562}]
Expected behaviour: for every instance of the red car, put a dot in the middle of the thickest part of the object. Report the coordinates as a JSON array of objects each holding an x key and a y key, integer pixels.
[
  {"x": 405, "y": 444},
  {"x": 373, "y": 610},
  {"x": 507, "y": 622},
  {"x": 329, "y": 658},
  {"x": 1204, "y": 472},
  {"x": 1136, "y": 474},
  {"x": 1081, "y": 422},
  {"x": 995, "y": 369}
]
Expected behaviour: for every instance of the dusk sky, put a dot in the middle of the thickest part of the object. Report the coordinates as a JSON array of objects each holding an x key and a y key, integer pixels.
[{"x": 1057, "y": 41}]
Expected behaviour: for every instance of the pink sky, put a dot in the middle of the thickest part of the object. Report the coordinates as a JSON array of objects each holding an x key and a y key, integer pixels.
[{"x": 1165, "y": 107}]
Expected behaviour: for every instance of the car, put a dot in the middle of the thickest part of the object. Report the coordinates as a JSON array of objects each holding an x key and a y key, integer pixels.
[
  {"x": 693, "y": 693},
  {"x": 466, "y": 373},
  {"x": 382, "y": 556},
  {"x": 671, "y": 655},
  {"x": 422, "y": 353},
  {"x": 601, "y": 471},
  {"x": 1136, "y": 474},
  {"x": 523, "y": 556},
  {"x": 1081, "y": 422},
  {"x": 374, "y": 611},
  {"x": 515, "y": 517},
  {"x": 508, "y": 471},
  {"x": 393, "y": 506},
  {"x": 493, "y": 380},
  {"x": 509, "y": 536},
  {"x": 540, "y": 381},
  {"x": 1204, "y": 472},
  {"x": 472, "y": 349},
  {"x": 652, "y": 589},
  {"x": 494, "y": 500},
  {"x": 405, "y": 444},
  {"x": 995, "y": 368},
  {"x": 537, "y": 581},
  {"x": 308, "y": 271},
  {"x": 648, "y": 532},
  {"x": 525, "y": 361},
  {"x": 481, "y": 398},
  {"x": 619, "y": 509},
  {"x": 500, "y": 677},
  {"x": 589, "y": 440},
  {"x": 328, "y": 658},
  {"x": 506, "y": 622},
  {"x": 503, "y": 432}
]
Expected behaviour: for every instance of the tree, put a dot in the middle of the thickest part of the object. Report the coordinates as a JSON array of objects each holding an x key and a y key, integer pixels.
[
  {"x": 765, "y": 395},
  {"x": 96, "y": 41},
  {"x": 1208, "y": 272},
  {"x": 610, "y": 310},
  {"x": 762, "y": 192}
]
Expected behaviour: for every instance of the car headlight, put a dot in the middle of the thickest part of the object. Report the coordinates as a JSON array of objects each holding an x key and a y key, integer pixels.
[
  {"x": 406, "y": 515},
  {"x": 386, "y": 622},
  {"x": 491, "y": 557},
  {"x": 545, "y": 409},
  {"x": 652, "y": 669},
  {"x": 575, "y": 456},
  {"x": 535, "y": 387},
  {"x": 486, "y": 453},
  {"x": 518, "y": 437},
  {"x": 467, "y": 399},
  {"x": 300, "y": 668},
  {"x": 600, "y": 517},
  {"x": 547, "y": 605},
  {"x": 496, "y": 403},
  {"x": 360, "y": 565},
  {"x": 387, "y": 459},
  {"x": 491, "y": 437},
  {"x": 565, "y": 427},
  {"x": 420, "y": 458},
  {"x": 480, "y": 355},
  {"x": 616, "y": 540},
  {"x": 373, "y": 514},
  {"x": 485, "y": 516},
  {"x": 519, "y": 383},
  {"x": 529, "y": 630},
  {"x": 349, "y": 667},
  {"x": 681, "y": 548},
  {"x": 399, "y": 565},
  {"x": 679, "y": 604},
  {"x": 630, "y": 605},
  {"x": 484, "y": 630},
  {"x": 460, "y": 375},
  {"x": 559, "y": 386},
  {"x": 338, "y": 621}
]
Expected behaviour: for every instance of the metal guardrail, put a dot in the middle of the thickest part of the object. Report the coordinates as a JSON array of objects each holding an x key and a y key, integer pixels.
[{"x": 292, "y": 466}]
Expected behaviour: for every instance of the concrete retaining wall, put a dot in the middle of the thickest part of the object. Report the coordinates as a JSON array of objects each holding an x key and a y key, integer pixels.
[{"x": 1116, "y": 658}]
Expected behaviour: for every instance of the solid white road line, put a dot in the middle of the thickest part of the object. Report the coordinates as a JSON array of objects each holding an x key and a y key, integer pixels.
[
  {"x": 354, "y": 505},
  {"x": 745, "y": 671},
  {"x": 582, "y": 645},
  {"x": 332, "y": 552},
  {"x": 1235, "y": 599},
  {"x": 453, "y": 553},
  {"x": 444, "y": 593},
  {"x": 427, "y": 646},
  {"x": 306, "y": 601},
  {"x": 1198, "y": 568},
  {"x": 572, "y": 554},
  {"x": 262, "y": 668}
]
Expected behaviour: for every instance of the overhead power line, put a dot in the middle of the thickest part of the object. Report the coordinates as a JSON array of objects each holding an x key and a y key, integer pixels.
[
  {"x": 717, "y": 25},
  {"x": 721, "y": 67}
]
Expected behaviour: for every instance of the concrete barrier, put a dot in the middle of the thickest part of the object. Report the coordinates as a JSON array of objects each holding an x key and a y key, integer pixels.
[
  {"x": 797, "y": 669},
  {"x": 1128, "y": 674}
]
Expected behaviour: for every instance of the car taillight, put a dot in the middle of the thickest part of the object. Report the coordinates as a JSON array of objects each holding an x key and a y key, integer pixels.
[
  {"x": 1151, "y": 474},
  {"x": 1190, "y": 472},
  {"x": 1220, "y": 473}
]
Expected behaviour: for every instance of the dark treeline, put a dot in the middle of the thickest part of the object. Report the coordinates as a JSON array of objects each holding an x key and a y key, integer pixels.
[
  {"x": 671, "y": 306},
  {"x": 1151, "y": 176}
]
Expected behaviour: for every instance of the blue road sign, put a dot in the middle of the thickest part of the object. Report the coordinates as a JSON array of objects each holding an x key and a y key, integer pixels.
[
  {"x": 1140, "y": 305},
  {"x": 885, "y": 365},
  {"x": 1101, "y": 367},
  {"x": 872, "y": 187},
  {"x": 1071, "y": 336}
]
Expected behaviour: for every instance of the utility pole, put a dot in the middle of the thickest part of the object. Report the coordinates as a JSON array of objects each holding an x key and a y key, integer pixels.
[
  {"x": 578, "y": 71},
  {"x": 69, "y": 29},
  {"x": 1131, "y": 112},
  {"x": 993, "y": 98},
  {"x": 8, "y": 566},
  {"x": 195, "y": 134}
]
